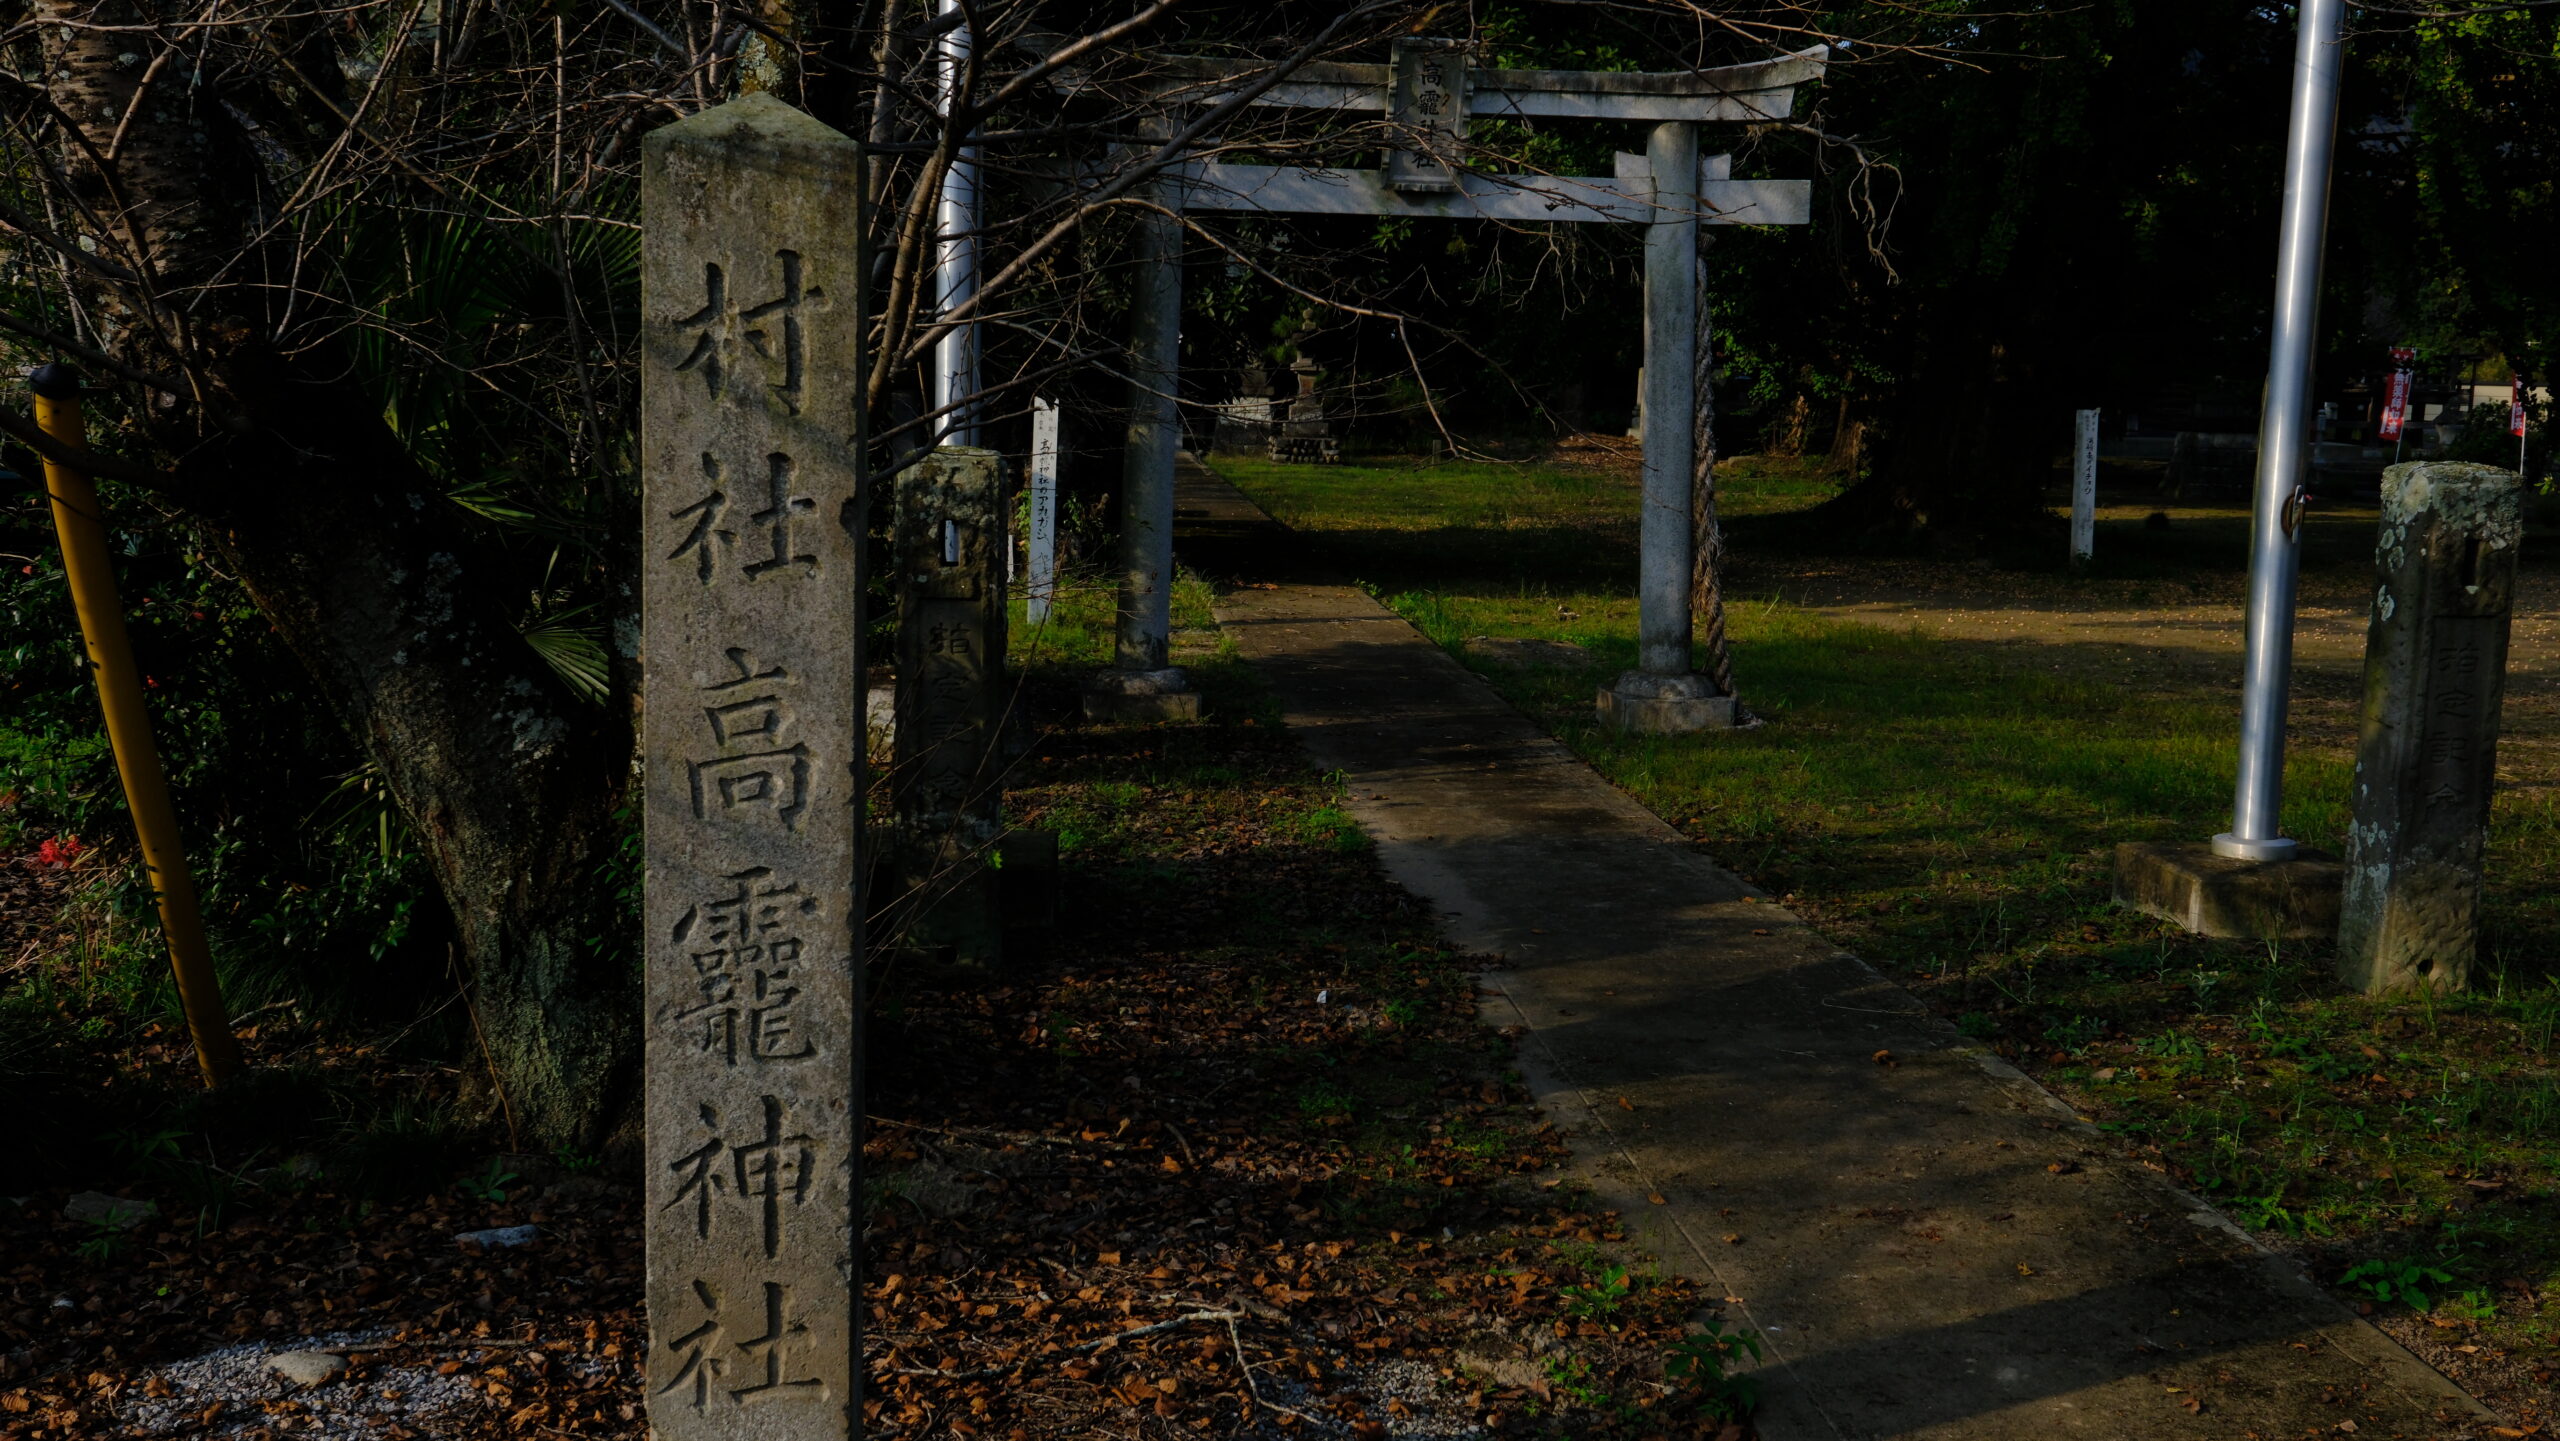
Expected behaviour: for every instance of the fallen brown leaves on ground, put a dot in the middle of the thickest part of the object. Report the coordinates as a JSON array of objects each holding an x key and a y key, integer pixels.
[{"x": 1235, "y": 1157}]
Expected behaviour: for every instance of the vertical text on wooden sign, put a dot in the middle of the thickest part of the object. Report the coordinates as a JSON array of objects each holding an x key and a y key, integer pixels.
[
  {"x": 751, "y": 703},
  {"x": 1043, "y": 541}
]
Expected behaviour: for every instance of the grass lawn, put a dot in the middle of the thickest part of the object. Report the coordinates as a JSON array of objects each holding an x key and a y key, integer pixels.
[{"x": 1947, "y": 808}]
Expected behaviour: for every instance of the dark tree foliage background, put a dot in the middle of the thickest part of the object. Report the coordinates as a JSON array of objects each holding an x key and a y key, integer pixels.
[{"x": 357, "y": 285}]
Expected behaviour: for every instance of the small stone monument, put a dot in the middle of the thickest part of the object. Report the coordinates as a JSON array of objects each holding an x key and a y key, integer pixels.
[
  {"x": 753, "y": 744},
  {"x": 2179, "y": 480},
  {"x": 1246, "y": 422},
  {"x": 945, "y": 783},
  {"x": 2434, "y": 673},
  {"x": 1305, "y": 438}
]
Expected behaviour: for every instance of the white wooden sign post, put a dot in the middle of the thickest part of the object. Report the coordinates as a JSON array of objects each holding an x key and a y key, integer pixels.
[
  {"x": 1427, "y": 93},
  {"x": 2084, "y": 489},
  {"x": 1043, "y": 539}
]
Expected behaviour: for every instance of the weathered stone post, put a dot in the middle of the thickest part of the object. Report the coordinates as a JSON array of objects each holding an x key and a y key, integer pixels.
[
  {"x": 945, "y": 789},
  {"x": 2435, "y": 669},
  {"x": 753, "y": 743}
]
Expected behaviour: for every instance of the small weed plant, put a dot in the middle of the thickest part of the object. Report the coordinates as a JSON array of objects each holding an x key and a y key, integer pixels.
[
  {"x": 2401, "y": 1282},
  {"x": 491, "y": 1183},
  {"x": 105, "y": 1244},
  {"x": 1601, "y": 1297},
  {"x": 1702, "y": 1366}
]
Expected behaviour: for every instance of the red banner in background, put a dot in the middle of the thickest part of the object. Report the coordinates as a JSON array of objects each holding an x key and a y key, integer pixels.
[
  {"x": 2515, "y": 409},
  {"x": 2395, "y": 400}
]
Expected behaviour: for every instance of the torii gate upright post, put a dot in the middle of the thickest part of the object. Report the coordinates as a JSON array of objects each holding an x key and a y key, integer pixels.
[
  {"x": 1665, "y": 693},
  {"x": 1426, "y": 94},
  {"x": 1143, "y": 683}
]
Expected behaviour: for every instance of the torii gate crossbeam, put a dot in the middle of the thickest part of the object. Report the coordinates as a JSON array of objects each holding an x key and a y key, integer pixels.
[{"x": 1426, "y": 94}]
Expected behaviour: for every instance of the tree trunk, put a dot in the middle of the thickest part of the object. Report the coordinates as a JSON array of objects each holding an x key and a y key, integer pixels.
[
  {"x": 1848, "y": 443},
  {"x": 404, "y": 622},
  {"x": 510, "y": 781},
  {"x": 1788, "y": 443}
]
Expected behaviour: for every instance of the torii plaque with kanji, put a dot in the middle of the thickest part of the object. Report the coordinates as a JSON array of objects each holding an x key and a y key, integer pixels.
[{"x": 751, "y": 732}]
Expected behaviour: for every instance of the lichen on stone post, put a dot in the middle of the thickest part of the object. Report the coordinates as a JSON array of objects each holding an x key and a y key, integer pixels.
[{"x": 2435, "y": 672}]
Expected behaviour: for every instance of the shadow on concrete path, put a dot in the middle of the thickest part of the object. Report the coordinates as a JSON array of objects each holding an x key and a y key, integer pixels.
[{"x": 1931, "y": 1248}]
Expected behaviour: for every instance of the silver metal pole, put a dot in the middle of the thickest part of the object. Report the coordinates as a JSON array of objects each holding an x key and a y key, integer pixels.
[
  {"x": 1144, "y": 640},
  {"x": 1666, "y": 538},
  {"x": 955, "y": 355},
  {"x": 2284, "y": 439}
]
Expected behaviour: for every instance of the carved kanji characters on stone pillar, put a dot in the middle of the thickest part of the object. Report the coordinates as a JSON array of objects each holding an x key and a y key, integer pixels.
[
  {"x": 747, "y": 953},
  {"x": 698, "y": 1364},
  {"x": 751, "y": 748},
  {"x": 774, "y": 332}
]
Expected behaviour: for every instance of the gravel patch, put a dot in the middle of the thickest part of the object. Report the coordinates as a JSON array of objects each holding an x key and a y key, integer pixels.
[{"x": 235, "y": 1390}]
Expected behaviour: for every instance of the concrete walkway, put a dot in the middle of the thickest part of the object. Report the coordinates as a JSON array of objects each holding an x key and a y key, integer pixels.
[{"x": 1930, "y": 1244}]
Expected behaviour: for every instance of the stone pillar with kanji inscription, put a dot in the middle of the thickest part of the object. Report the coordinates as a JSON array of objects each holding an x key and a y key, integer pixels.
[
  {"x": 752, "y": 733},
  {"x": 945, "y": 782},
  {"x": 2435, "y": 671}
]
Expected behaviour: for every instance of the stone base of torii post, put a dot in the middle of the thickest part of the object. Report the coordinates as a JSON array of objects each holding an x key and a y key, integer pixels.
[{"x": 1426, "y": 94}]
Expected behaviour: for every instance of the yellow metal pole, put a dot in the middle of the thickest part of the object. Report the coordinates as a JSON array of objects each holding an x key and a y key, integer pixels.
[{"x": 77, "y": 519}]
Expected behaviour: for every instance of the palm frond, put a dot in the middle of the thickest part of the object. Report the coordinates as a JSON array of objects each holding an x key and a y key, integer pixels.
[{"x": 574, "y": 652}]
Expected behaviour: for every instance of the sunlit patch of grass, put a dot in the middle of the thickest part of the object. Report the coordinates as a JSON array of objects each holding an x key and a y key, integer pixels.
[
  {"x": 1330, "y": 828},
  {"x": 1428, "y": 495},
  {"x": 1075, "y": 637},
  {"x": 1948, "y": 809}
]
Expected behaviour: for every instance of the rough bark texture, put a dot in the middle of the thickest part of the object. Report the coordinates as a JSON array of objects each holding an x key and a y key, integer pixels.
[
  {"x": 1848, "y": 443},
  {"x": 160, "y": 194},
  {"x": 510, "y": 782},
  {"x": 1787, "y": 440}
]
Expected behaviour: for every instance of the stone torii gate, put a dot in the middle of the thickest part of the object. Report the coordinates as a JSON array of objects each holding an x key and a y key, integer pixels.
[{"x": 1427, "y": 93}]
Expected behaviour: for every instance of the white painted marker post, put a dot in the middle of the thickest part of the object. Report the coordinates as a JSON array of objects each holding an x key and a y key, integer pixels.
[
  {"x": 2084, "y": 489},
  {"x": 1044, "y": 510}
]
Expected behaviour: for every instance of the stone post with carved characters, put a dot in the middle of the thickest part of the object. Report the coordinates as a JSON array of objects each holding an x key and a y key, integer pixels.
[{"x": 752, "y": 735}]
